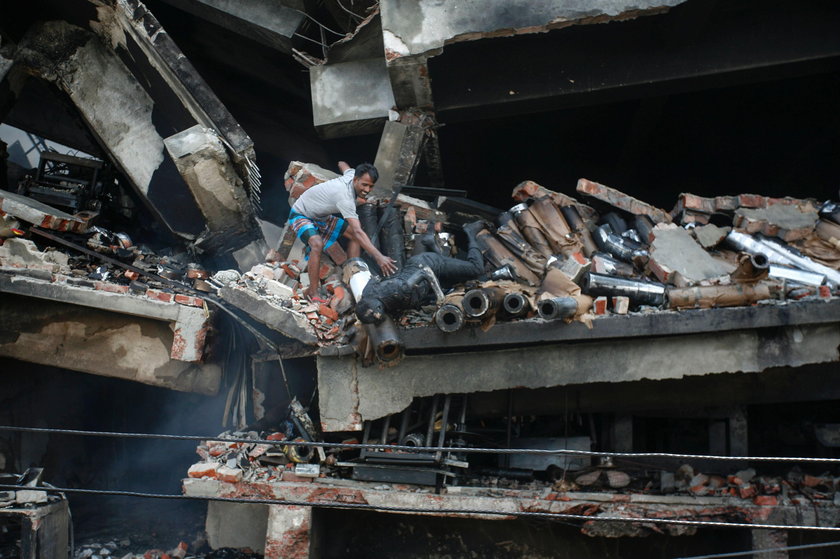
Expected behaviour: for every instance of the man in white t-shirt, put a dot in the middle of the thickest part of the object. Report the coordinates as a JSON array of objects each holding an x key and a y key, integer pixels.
[{"x": 313, "y": 220}]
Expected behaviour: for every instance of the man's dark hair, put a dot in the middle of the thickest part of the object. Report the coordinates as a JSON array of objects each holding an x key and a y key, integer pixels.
[{"x": 363, "y": 168}]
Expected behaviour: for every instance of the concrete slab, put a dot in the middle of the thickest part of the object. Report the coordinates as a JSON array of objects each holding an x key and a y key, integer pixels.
[
  {"x": 373, "y": 394},
  {"x": 676, "y": 258},
  {"x": 266, "y": 21}
]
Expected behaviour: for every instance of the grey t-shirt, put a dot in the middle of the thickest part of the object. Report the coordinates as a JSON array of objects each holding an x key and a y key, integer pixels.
[{"x": 330, "y": 197}]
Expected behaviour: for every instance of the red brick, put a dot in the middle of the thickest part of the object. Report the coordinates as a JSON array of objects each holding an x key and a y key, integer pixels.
[
  {"x": 766, "y": 501},
  {"x": 159, "y": 295},
  {"x": 825, "y": 291},
  {"x": 131, "y": 274},
  {"x": 326, "y": 311},
  {"x": 189, "y": 300},
  {"x": 599, "y": 305},
  {"x": 111, "y": 287},
  {"x": 746, "y": 491},
  {"x": 752, "y": 201}
]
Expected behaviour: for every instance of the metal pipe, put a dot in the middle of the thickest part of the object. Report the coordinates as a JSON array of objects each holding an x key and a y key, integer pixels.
[
  {"x": 482, "y": 302},
  {"x": 619, "y": 247},
  {"x": 782, "y": 255},
  {"x": 708, "y": 296},
  {"x": 798, "y": 276},
  {"x": 515, "y": 304},
  {"x": 386, "y": 341},
  {"x": 575, "y": 221},
  {"x": 644, "y": 225},
  {"x": 642, "y": 293},
  {"x": 449, "y": 318},
  {"x": 605, "y": 264},
  {"x": 558, "y": 307}
]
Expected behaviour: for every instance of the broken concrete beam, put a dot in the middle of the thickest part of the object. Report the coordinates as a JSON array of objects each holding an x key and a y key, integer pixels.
[
  {"x": 676, "y": 258},
  {"x": 398, "y": 155},
  {"x": 290, "y": 323},
  {"x": 712, "y": 296},
  {"x": 42, "y": 215},
  {"x": 22, "y": 253},
  {"x": 622, "y": 201},
  {"x": 266, "y": 21},
  {"x": 693, "y": 202},
  {"x": 350, "y": 98},
  {"x": 300, "y": 177},
  {"x": 209, "y": 173},
  {"x": 787, "y": 221}
]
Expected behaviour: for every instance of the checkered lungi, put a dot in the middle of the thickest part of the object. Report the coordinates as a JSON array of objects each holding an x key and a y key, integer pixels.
[{"x": 331, "y": 228}]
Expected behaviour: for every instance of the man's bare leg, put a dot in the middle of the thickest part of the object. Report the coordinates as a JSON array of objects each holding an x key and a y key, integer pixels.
[
  {"x": 354, "y": 249},
  {"x": 316, "y": 245}
]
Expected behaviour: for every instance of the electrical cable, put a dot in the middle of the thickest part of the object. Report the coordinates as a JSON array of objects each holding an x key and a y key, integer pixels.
[
  {"x": 757, "y": 551},
  {"x": 453, "y": 512},
  {"x": 465, "y": 450}
]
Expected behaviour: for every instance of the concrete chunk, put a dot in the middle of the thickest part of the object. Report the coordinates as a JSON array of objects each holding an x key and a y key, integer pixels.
[
  {"x": 710, "y": 235},
  {"x": 676, "y": 258},
  {"x": 789, "y": 222}
]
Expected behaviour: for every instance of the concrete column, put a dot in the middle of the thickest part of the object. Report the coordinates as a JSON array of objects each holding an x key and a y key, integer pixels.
[
  {"x": 769, "y": 539},
  {"x": 288, "y": 533},
  {"x": 622, "y": 433},
  {"x": 398, "y": 155}
]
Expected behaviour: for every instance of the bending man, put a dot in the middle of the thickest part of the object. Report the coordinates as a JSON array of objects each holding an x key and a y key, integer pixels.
[{"x": 314, "y": 223}]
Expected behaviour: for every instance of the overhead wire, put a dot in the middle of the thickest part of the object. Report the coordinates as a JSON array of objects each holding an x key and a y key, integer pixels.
[
  {"x": 465, "y": 450},
  {"x": 442, "y": 511},
  {"x": 758, "y": 551}
]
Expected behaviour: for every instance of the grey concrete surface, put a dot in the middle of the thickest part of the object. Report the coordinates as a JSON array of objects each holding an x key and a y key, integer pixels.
[{"x": 351, "y": 394}]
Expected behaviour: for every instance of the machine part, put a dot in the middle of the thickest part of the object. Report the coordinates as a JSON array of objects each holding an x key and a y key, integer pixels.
[
  {"x": 65, "y": 181},
  {"x": 515, "y": 305},
  {"x": 781, "y": 255},
  {"x": 449, "y": 318},
  {"x": 830, "y": 211},
  {"x": 616, "y": 223},
  {"x": 605, "y": 264},
  {"x": 499, "y": 255},
  {"x": 483, "y": 302},
  {"x": 368, "y": 220},
  {"x": 386, "y": 341},
  {"x": 557, "y": 231},
  {"x": 299, "y": 454},
  {"x": 504, "y": 218},
  {"x": 532, "y": 232},
  {"x": 518, "y": 208},
  {"x": 558, "y": 307},
  {"x": 503, "y": 273},
  {"x": 796, "y": 276},
  {"x": 710, "y": 296},
  {"x": 392, "y": 235},
  {"x": 621, "y": 248},
  {"x": 632, "y": 235},
  {"x": 575, "y": 221},
  {"x": 413, "y": 439},
  {"x": 644, "y": 226},
  {"x": 639, "y": 292}
]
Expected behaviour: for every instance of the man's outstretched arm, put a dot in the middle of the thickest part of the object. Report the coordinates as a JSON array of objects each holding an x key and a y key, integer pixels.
[{"x": 385, "y": 263}]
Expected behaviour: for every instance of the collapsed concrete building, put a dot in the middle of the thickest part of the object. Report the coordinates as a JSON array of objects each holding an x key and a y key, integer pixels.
[{"x": 197, "y": 114}]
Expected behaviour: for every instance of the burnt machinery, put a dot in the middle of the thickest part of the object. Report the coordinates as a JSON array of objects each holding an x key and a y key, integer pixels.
[{"x": 68, "y": 182}]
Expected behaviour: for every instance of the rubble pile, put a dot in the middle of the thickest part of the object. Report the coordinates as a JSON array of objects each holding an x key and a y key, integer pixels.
[
  {"x": 551, "y": 256},
  {"x": 121, "y": 549}
]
